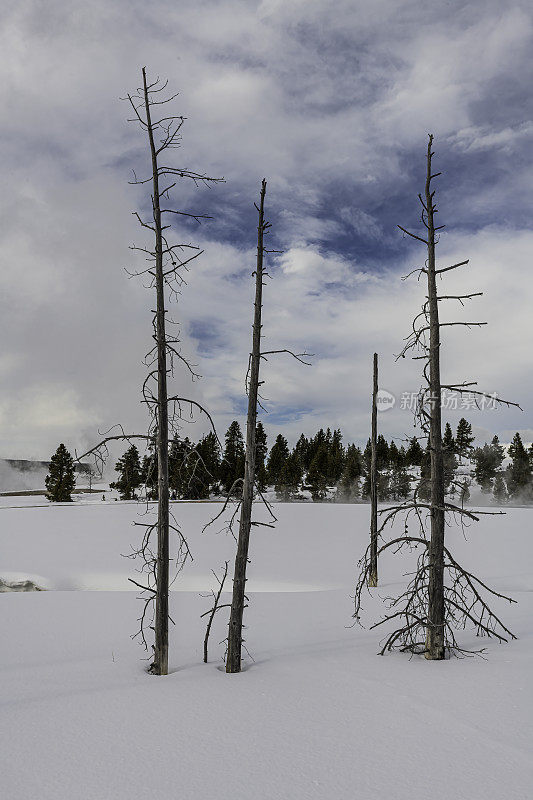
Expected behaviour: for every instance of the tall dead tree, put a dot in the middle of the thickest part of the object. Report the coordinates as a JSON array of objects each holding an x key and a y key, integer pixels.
[
  {"x": 160, "y": 663},
  {"x": 167, "y": 261},
  {"x": 436, "y": 621},
  {"x": 248, "y": 481},
  {"x": 233, "y": 660},
  {"x": 373, "y": 572},
  {"x": 442, "y": 595}
]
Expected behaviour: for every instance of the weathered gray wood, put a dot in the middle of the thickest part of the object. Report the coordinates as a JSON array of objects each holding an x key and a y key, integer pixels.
[
  {"x": 373, "y": 572},
  {"x": 435, "y": 645},
  {"x": 428, "y": 611},
  {"x": 216, "y": 606},
  {"x": 160, "y": 662},
  {"x": 233, "y": 660}
]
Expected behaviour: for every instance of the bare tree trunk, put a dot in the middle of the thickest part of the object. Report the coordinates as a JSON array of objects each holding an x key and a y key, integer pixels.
[
  {"x": 160, "y": 662},
  {"x": 216, "y": 606},
  {"x": 373, "y": 573},
  {"x": 166, "y": 262},
  {"x": 233, "y": 661},
  {"x": 435, "y": 649},
  {"x": 441, "y": 595}
]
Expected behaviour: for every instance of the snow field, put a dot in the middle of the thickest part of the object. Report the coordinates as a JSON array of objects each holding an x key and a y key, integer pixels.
[{"x": 316, "y": 715}]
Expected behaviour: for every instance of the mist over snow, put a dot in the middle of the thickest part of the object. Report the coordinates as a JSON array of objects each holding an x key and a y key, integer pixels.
[
  {"x": 15, "y": 480},
  {"x": 332, "y": 104}
]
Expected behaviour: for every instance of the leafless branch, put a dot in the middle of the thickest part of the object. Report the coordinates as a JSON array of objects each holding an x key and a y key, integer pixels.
[{"x": 216, "y": 606}]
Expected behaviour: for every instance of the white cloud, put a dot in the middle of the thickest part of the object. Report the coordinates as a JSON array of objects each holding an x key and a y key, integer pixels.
[
  {"x": 371, "y": 313},
  {"x": 479, "y": 137},
  {"x": 325, "y": 102}
]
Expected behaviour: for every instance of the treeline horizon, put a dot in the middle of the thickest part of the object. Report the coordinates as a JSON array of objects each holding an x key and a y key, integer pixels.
[{"x": 323, "y": 467}]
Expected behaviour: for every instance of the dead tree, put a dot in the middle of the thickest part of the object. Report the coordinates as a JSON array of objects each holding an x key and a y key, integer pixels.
[
  {"x": 233, "y": 660},
  {"x": 373, "y": 573},
  {"x": 167, "y": 262},
  {"x": 216, "y": 606},
  {"x": 245, "y": 502},
  {"x": 442, "y": 595}
]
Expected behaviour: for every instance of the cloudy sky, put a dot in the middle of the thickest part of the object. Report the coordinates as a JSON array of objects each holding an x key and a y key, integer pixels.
[{"x": 332, "y": 103}]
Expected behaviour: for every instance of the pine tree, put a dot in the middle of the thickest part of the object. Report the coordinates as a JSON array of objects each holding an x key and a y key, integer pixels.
[
  {"x": 500, "y": 490},
  {"x": 261, "y": 450},
  {"x": 414, "y": 454},
  {"x": 129, "y": 469},
  {"x": 349, "y": 490},
  {"x": 179, "y": 467},
  {"x": 367, "y": 456},
  {"x": 450, "y": 465},
  {"x": 488, "y": 459},
  {"x": 399, "y": 483},
  {"x": 301, "y": 450},
  {"x": 367, "y": 460},
  {"x": 384, "y": 487},
  {"x": 232, "y": 467},
  {"x": 149, "y": 475},
  {"x": 499, "y": 451},
  {"x": 315, "y": 444},
  {"x": 336, "y": 457},
  {"x": 402, "y": 457},
  {"x": 448, "y": 442},
  {"x": 199, "y": 472},
  {"x": 208, "y": 449},
  {"x": 382, "y": 452},
  {"x": 448, "y": 457},
  {"x": 289, "y": 479},
  {"x": 60, "y": 481},
  {"x": 463, "y": 438},
  {"x": 317, "y": 474},
  {"x": 394, "y": 455},
  {"x": 424, "y": 487},
  {"x": 278, "y": 455},
  {"x": 519, "y": 471}
]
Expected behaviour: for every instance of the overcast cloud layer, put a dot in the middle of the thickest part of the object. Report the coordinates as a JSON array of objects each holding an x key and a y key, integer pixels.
[{"x": 332, "y": 103}]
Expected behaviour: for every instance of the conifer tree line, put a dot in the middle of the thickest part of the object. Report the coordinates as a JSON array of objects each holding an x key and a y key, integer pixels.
[
  {"x": 324, "y": 468},
  {"x": 321, "y": 466}
]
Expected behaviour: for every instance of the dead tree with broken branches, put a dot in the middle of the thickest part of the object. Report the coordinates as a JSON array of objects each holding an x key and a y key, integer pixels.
[
  {"x": 441, "y": 596},
  {"x": 249, "y": 484},
  {"x": 217, "y": 605},
  {"x": 373, "y": 571},
  {"x": 167, "y": 261}
]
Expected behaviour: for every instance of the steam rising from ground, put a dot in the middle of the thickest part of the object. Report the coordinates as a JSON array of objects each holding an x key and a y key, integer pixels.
[{"x": 14, "y": 480}]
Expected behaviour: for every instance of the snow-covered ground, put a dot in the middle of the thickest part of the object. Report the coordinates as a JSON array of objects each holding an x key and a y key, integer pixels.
[{"x": 317, "y": 714}]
